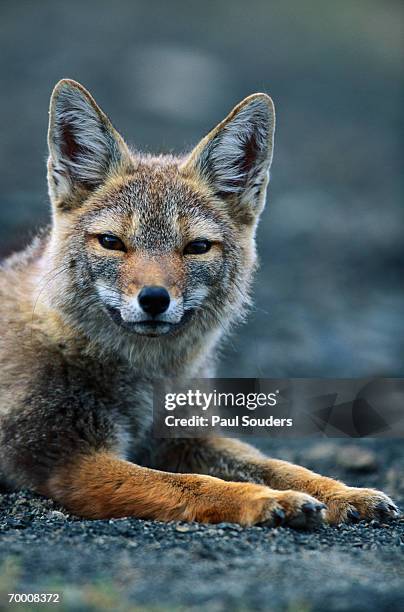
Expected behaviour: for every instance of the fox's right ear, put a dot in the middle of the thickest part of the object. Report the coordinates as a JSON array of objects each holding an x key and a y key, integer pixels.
[{"x": 84, "y": 147}]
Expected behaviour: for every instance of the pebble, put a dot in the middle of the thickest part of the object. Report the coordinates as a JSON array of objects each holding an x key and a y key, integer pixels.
[
  {"x": 183, "y": 528},
  {"x": 56, "y": 514}
]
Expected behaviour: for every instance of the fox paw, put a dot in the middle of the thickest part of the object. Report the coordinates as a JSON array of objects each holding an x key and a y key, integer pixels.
[
  {"x": 288, "y": 508},
  {"x": 301, "y": 511},
  {"x": 352, "y": 504}
]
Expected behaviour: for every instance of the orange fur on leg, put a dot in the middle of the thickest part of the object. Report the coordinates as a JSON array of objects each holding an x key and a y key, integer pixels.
[{"x": 102, "y": 486}]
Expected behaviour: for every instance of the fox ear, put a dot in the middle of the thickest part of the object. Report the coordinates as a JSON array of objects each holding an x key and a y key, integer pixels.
[
  {"x": 84, "y": 147},
  {"x": 235, "y": 157}
]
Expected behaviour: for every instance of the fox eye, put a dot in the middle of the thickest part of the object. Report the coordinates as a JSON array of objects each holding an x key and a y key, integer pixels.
[
  {"x": 108, "y": 241},
  {"x": 197, "y": 247}
]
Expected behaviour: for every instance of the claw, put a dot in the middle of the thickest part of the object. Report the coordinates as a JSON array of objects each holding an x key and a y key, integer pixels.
[
  {"x": 353, "y": 515},
  {"x": 381, "y": 508},
  {"x": 386, "y": 509},
  {"x": 309, "y": 507},
  {"x": 279, "y": 516}
]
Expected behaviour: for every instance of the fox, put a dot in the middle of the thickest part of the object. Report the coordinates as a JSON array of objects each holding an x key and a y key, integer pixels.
[{"x": 143, "y": 272}]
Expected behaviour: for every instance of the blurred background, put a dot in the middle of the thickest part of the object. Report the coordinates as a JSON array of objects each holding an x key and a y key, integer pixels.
[{"x": 329, "y": 297}]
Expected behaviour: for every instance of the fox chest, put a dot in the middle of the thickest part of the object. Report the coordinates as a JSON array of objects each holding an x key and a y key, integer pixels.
[
  {"x": 126, "y": 409},
  {"x": 88, "y": 407}
]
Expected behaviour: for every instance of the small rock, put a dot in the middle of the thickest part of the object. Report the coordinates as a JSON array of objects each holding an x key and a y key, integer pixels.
[
  {"x": 321, "y": 451},
  {"x": 357, "y": 459},
  {"x": 56, "y": 514},
  {"x": 182, "y": 528},
  {"x": 231, "y": 526},
  {"x": 17, "y": 522},
  {"x": 395, "y": 479},
  {"x": 123, "y": 527}
]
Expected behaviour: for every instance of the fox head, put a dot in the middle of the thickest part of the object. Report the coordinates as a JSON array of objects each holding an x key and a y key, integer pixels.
[{"x": 152, "y": 249}]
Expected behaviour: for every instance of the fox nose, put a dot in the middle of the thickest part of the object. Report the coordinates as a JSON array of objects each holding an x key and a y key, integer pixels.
[{"x": 154, "y": 300}]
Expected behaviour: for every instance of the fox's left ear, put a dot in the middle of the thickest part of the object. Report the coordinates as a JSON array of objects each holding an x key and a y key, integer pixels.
[
  {"x": 84, "y": 147},
  {"x": 235, "y": 157}
]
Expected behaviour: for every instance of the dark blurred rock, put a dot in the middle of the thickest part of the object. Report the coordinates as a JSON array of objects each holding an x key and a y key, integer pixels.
[
  {"x": 357, "y": 459},
  {"x": 322, "y": 451},
  {"x": 395, "y": 478}
]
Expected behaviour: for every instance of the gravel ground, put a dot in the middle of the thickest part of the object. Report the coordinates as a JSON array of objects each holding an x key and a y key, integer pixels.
[{"x": 129, "y": 564}]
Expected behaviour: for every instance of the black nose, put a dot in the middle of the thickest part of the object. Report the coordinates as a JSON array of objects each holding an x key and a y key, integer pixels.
[{"x": 154, "y": 300}]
